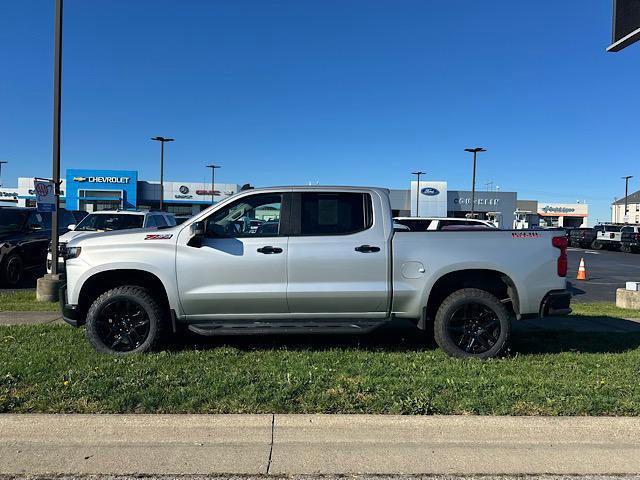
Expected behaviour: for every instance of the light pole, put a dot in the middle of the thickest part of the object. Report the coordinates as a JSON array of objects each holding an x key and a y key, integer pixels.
[
  {"x": 473, "y": 184},
  {"x": 418, "y": 191},
  {"x": 626, "y": 194},
  {"x": 162, "y": 141},
  {"x": 2, "y": 162},
  {"x": 213, "y": 179}
]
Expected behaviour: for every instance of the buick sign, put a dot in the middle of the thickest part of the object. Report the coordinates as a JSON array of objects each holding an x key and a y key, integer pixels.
[
  {"x": 184, "y": 189},
  {"x": 430, "y": 191}
]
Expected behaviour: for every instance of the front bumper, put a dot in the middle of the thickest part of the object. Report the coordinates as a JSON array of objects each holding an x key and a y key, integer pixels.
[
  {"x": 70, "y": 313},
  {"x": 555, "y": 303}
]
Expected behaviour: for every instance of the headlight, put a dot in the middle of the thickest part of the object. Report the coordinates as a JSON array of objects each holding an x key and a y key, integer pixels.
[{"x": 72, "y": 252}]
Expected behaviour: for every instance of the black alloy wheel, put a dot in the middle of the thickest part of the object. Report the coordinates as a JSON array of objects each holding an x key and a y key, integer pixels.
[
  {"x": 123, "y": 325},
  {"x": 13, "y": 270},
  {"x": 125, "y": 320},
  {"x": 474, "y": 328},
  {"x": 473, "y": 323}
]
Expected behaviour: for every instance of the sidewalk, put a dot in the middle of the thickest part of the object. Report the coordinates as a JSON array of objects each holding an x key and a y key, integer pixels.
[
  {"x": 29, "y": 318},
  {"x": 316, "y": 444}
]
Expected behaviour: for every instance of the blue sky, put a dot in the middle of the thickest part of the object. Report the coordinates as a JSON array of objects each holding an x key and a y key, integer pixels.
[{"x": 334, "y": 91}]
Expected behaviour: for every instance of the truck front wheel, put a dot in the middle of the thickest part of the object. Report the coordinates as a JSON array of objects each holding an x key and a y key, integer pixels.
[
  {"x": 124, "y": 320},
  {"x": 472, "y": 323}
]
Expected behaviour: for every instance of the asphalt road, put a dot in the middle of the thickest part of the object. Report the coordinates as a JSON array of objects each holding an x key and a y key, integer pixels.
[{"x": 606, "y": 271}]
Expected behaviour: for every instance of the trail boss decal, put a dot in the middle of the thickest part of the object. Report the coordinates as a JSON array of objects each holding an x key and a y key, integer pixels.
[
  {"x": 156, "y": 236},
  {"x": 525, "y": 235}
]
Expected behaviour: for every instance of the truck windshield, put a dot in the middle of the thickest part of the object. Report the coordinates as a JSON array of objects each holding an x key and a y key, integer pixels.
[
  {"x": 12, "y": 220},
  {"x": 116, "y": 221}
]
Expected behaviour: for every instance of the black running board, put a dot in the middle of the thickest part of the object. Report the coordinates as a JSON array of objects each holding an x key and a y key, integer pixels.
[{"x": 279, "y": 327}]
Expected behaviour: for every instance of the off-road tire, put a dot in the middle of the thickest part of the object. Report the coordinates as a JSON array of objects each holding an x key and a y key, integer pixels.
[
  {"x": 12, "y": 261},
  {"x": 139, "y": 295},
  {"x": 596, "y": 245},
  {"x": 471, "y": 296},
  {"x": 625, "y": 248}
]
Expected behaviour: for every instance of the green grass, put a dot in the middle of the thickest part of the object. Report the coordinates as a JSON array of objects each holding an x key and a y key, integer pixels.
[
  {"x": 24, "y": 302},
  {"x": 604, "y": 310},
  {"x": 52, "y": 368}
]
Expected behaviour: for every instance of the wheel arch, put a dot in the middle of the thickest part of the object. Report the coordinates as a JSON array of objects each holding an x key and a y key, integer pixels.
[
  {"x": 493, "y": 281},
  {"x": 100, "y": 282}
]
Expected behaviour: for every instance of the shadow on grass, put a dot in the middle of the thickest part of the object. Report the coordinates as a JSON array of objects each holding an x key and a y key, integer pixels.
[{"x": 399, "y": 336}]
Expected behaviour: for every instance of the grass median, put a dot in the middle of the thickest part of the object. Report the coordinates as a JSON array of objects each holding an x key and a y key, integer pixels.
[
  {"x": 24, "y": 301},
  {"x": 51, "y": 368}
]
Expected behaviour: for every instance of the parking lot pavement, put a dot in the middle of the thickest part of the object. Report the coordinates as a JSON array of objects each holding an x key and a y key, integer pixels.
[
  {"x": 317, "y": 444},
  {"x": 607, "y": 271}
]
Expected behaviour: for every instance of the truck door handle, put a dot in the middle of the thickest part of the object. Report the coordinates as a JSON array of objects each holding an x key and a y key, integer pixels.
[
  {"x": 367, "y": 249},
  {"x": 268, "y": 249}
]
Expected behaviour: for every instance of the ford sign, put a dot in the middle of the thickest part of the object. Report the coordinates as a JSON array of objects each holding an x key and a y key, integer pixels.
[{"x": 430, "y": 191}]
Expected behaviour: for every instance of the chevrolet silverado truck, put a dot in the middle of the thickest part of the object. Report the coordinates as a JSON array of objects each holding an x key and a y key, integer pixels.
[{"x": 331, "y": 262}]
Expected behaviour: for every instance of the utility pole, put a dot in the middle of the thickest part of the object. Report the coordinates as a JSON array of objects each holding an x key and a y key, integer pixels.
[
  {"x": 473, "y": 184},
  {"x": 162, "y": 141},
  {"x": 48, "y": 285},
  {"x": 2, "y": 162},
  {"x": 418, "y": 173},
  {"x": 626, "y": 194},
  {"x": 213, "y": 179}
]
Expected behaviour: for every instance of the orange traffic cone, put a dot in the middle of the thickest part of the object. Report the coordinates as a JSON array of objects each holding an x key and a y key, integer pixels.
[{"x": 582, "y": 272}]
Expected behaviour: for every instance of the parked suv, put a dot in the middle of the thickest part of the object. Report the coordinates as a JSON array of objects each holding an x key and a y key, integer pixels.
[
  {"x": 630, "y": 239},
  {"x": 24, "y": 237},
  {"x": 108, "y": 220},
  {"x": 608, "y": 235}
]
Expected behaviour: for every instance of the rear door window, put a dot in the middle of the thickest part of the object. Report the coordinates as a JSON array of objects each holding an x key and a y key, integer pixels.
[{"x": 340, "y": 213}]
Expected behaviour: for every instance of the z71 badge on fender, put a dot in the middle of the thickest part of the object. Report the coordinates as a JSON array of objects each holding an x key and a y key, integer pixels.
[{"x": 166, "y": 236}]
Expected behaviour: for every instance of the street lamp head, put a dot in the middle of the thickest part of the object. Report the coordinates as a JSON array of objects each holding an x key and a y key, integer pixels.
[
  {"x": 418, "y": 173},
  {"x": 475, "y": 150},
  {"x": 627, "y": 177},
  {"x": 162, "y": 139},
  {"x": 214, "y": 166}
]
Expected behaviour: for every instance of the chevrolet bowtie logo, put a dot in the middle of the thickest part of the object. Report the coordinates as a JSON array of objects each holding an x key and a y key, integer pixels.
[{"x": 79, "y": 179}]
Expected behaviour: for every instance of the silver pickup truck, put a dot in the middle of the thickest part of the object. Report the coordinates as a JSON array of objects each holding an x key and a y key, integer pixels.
[{"x": 323, "y": 259}]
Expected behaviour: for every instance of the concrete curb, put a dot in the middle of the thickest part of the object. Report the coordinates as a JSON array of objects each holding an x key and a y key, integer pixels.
[{"x": 317, "y": 444}]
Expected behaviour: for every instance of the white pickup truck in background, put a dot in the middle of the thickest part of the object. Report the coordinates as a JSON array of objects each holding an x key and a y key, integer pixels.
[{"x": 329, "y": 262}]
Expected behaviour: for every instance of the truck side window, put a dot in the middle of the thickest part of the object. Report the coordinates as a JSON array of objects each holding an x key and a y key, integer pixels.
[
  {"x": 238, "y": 219},
  {"x": 160, "y": 221},
  {"x": 339, "y": 213}
]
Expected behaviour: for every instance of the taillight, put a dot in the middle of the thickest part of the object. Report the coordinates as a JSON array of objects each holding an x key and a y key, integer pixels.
[{"x": 561, "y": 243}]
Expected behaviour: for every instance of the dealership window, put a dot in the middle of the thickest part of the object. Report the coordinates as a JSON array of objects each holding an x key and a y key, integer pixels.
[
  {"x": 253, "y": 216},
  {"x": 179, "y": 209},
  {"x": 335, "y": 213}
]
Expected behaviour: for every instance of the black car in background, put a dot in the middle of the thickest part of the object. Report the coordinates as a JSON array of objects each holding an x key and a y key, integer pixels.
[
  {"x": 24, "y": 240},
  {"x": 582, "y": 237}
]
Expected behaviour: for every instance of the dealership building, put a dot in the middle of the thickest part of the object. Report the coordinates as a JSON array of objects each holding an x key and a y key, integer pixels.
[{"x": 91, "y": 190}]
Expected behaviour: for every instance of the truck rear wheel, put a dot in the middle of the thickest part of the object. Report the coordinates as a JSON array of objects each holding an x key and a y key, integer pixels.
[
  {"x": 472, "y": 323},
  {"x": 124, "y": 320}
]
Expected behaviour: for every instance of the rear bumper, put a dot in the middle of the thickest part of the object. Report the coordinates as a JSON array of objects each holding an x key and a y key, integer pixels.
[
  {"x": 70, "y": 313},
  {"x": 556, "y": 302}
]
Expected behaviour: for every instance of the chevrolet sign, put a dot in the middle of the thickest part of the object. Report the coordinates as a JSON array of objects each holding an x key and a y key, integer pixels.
[{"x": 102, "y": 179}]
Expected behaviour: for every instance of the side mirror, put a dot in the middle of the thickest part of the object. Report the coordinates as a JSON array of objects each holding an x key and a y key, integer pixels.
[
  {"x": 197, "y": 229},
  {"x": 197, "y": 234},
  {"x": 71, "y": 227}
]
